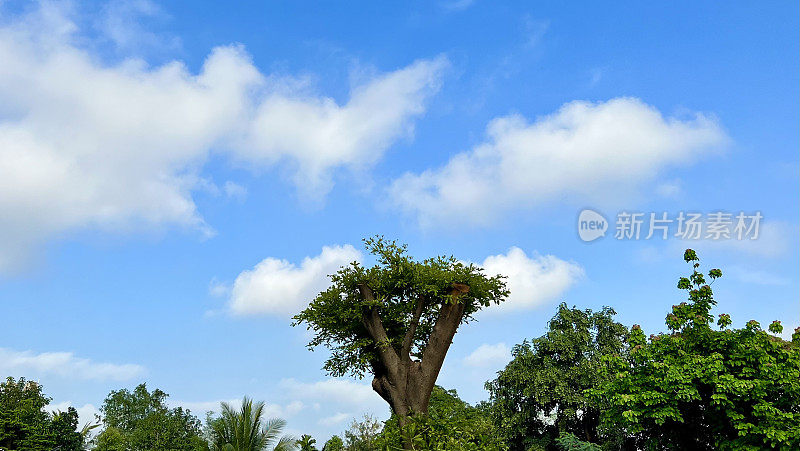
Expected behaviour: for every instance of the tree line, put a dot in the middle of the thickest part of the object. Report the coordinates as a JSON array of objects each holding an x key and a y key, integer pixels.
[{"x": 588, "y": 383}]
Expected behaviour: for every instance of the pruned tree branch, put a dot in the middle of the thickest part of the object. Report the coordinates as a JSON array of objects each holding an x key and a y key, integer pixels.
[
  {"x": 408, "y": 340},
  {"x": 447, "y": 323},
  {"x": 371, "y": 319}
]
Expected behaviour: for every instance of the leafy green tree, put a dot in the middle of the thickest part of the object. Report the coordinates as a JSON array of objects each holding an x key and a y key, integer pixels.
[
  {"x": 111, "y": 439},
  {"x": 363, "y": 435},
  {"x": 540, "y": 393},
  {"x": 334, "y": 443},
  {"x": 64, "y": 427},
  {"x": 396, "y": 320},
  {"x": 569, "y": 442},
  {"x": 701, "y": 389},
  {"x": 25, "y": 425},
  {"x": 247, "y": 430},
  {"x": 450, "y": 424},
  {"x": 306, "y": 443},
  {"x": 141, "y": 420}
]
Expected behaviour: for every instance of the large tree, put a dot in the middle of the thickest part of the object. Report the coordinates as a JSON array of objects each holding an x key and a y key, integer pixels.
[
  {"x": 141, "y": 420},
  {"x": 702, "y": 389},
  {"x": 396, "y": 320},
  {"x": 26, "y": 425},
  {"x": 540, "y": 395}
]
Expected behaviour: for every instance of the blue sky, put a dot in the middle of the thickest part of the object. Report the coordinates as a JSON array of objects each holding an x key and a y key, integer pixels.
[{"x": 177, "y": 178}]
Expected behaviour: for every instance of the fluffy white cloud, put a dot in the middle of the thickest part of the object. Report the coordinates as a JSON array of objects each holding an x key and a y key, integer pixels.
[
  {"x": 280, "y": 287},
  {"x": 348, "y": 398},
  {"x": 84, "y": 144},
  {"x": 590, "y": 152},
  {"x": 64, "y": 364},
  {"x": 531, "y": 280},
  {"x": 318, "y": 134},
  {"x": 487, "y": 355},
  {"x": 335, "y": 419},
  {"x": 337, "y": 391}
]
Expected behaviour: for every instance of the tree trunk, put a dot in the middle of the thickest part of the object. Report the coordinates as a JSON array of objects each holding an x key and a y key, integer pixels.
[{"x": 406, "y": 384}]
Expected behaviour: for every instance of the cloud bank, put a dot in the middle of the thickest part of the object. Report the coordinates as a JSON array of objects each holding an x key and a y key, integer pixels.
[
  {"x": 586, "y": 152},
  {"x": 276, "y": 286},
  {"x": 282, "y": 288},
  {"x": 487, "y": 355},
  {"x": 64, "y": 364},
  {"x": 532, "y": 281},
  {"x": 85, "y": 144}
]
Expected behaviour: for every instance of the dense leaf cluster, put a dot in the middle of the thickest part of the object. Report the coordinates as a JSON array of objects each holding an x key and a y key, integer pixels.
[
  {"x": 541, "y": 393},
  {"x": 451, "y": 424},
  {"x": 400, "y": 285},
  {"x": 246, "y": 429},
  {"x": 700, "y": 388},
  {"x": 26, "y": 425},
  {"x": 141, "y": 420}
]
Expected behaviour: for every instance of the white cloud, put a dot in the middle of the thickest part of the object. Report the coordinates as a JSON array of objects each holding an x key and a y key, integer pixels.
[
  {"x": 121, "y": 22},
  {"x": 279, "y": 287},
  {"x": 336, "y": 391},
  {"x": 670, "y": 189},
  {"x": 84, "y": 144},
  {"x": 335, "y": 419},
  {"x": 587, "y": 152},
  {"x": 531, "y": 280},
  {"x": 788, "y": 330},
  {"x": 64, "y": 364},
  {"x": 774, "y": 240},
  {"x": 319, "y": 134},
  {"x": 276, "y": 286},
  {"x": 234, "y": 190},
  {"x": 487, "y": 355}
]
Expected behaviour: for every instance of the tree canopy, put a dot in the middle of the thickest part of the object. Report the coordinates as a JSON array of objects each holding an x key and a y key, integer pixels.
[
  {"x": 700, "y": 388},
  {"x": 26, "y": 425},
  {"x": 451, "y": 423},
  {"x": 141, "y": 420},
  {"x": 540, "y": 395},
  {"x": 396, "y": 319}
]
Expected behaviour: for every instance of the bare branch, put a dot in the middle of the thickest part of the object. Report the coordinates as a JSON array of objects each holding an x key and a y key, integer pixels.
[{"x": 408, "y": 340}]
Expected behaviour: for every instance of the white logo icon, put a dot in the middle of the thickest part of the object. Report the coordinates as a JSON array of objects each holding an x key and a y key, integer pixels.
[{"x": 591, "y": 225}]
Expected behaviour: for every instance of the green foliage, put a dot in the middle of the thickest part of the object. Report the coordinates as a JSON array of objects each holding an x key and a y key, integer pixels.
[
  {"x": 25, "y": 425},
  {"x": 247, "y": 430},
  {"x": 398, "y": 282},
  {"x": 362, "y": 435},
  {"x": 540, "y": 393},
  {"x": 111, "y": 439},
  {"x": 334, "y": 443},
  {"x": 700, "y": 388},
  {"x": 451, "y": 424},
  {"x": 141, "y": 420},
  {"x": 306, "y": 443},
  {"x": 569, "y": 442}
]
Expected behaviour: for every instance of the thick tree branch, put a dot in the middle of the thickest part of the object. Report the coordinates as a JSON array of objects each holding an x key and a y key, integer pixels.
[
  {"x": 441, "y": 337},
  {"x": 371, "y": 320},
  {"x": 408, "y": 340}
]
